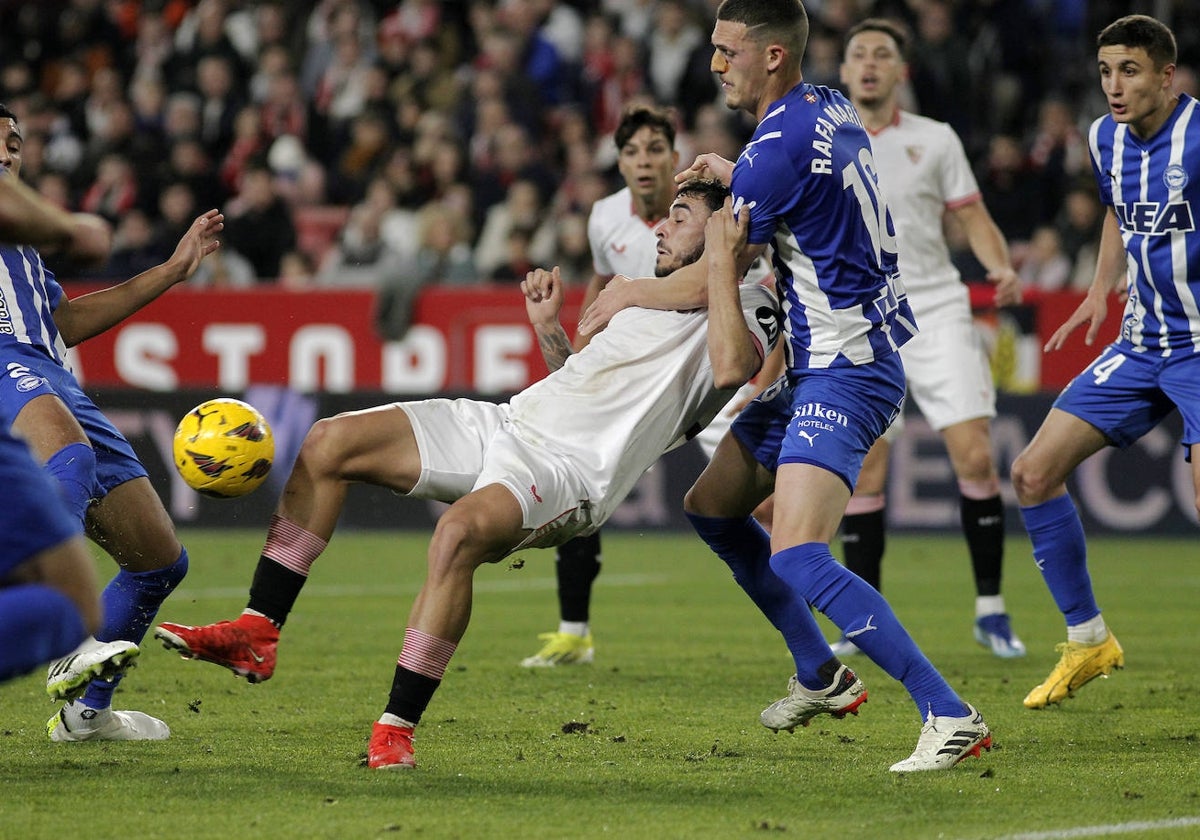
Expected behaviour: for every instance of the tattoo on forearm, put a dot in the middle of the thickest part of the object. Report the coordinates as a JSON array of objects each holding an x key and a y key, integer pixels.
[{"x": 555, "y": 346}]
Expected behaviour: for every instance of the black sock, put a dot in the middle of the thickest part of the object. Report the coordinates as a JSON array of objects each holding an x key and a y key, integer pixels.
[
  {"x": 411, "y": 693},
  {"x": 983, "y": 526},
  {"x": 863, "y": 539},
  {"x": 274, "y": 590},
  {"x": 577, "y": 565}
]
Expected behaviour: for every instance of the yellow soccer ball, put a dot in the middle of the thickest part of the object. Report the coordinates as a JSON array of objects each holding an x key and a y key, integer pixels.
[{"x": 224, "y": 448}]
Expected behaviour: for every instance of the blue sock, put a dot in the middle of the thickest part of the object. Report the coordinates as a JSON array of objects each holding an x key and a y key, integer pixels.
[
  {"x": 746, "y": 549},
  {"x": 37, "y": 624},
  {"x": 865, "y": 617},
  {"x": 74, "y": 469},
  {"x": 131, "y": 601},
  {"x": 1060, "y": 551}
]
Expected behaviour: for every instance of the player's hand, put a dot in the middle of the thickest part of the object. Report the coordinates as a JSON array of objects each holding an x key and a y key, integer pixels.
[
  {"x": 725, "y": 233},
  {"x": 1091, "y": 311},
  {"x": 614, "y": 297},
  {"x": 543, "y": 295},
  {"x": 199, "y": 241},
  {"x": 1008, "y": 286},
  {"x": 708, "y": 165}
]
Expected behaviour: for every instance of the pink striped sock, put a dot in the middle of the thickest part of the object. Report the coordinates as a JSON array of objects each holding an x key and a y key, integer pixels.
[
  {"x": 425, "y": 654},
  {"x": 291, "y": 546}
]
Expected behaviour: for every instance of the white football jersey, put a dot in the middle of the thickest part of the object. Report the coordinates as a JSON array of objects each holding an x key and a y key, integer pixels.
[
  {"x": 924, "y": 171},
  {"x": 622, "y": 242},
  {"x": 643, "y": 386}
]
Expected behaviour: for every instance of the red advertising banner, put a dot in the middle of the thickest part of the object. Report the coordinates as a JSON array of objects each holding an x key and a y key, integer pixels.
[
  {"x": 471, "y": 339},
  {"x": 475, "y": 339}
]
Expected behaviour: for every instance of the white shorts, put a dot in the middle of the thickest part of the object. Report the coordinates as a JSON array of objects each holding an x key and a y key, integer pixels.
[
  {"x": 948, "y": 373},
  {"x": 469, "y": 444}
]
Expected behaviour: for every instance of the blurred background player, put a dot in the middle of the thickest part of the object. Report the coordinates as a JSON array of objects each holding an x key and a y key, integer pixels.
[
  {"x": 925, "y": 174},
  {"x": 105, "y": 486},
  {"x": 621, "y": 234},
  {"x": 1143, "y": 153}
]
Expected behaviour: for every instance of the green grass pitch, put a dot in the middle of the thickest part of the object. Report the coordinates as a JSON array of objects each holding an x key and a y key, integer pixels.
[{"x": 657, "y": 739}]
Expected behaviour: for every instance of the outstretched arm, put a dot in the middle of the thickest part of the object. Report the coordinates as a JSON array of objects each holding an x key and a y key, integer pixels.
[
  {"x": 685, "y": 288},
  {"x": 91, "y": 314},
  {"x": 1110, "y": 270},
  {"x": 543, "y": 301},
  {"x": 26, "y": 218}
]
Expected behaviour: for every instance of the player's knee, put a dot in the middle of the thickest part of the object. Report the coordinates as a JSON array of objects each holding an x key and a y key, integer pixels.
[
  {"x": 323, "y": 447},
  {"x": 1031, "y": 486},
  {"x": 456, "y": 546}
]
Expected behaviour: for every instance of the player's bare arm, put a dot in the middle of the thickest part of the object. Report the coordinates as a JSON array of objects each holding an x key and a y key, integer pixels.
[
  {"x": 91, "y": 314},
  {"x": 686, "y": 288},
  {"x": 1110, "y": 270},
  {"x": 27, "y": 218},
  {"x": 735, "y": 356},
  {"x": 543, "y": 302},
  {"x": 595, "y": 286},
  {"x": 990, "y": 248}
]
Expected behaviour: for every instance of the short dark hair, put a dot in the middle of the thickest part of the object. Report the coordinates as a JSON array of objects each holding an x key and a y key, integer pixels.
[
  {"x": 5, "y": 113},
  {"x": 784, "y": 21},
  {"x": 1141, "y": 31},
  {"x": 887, "y": 27},
  {"x": 640, "y": 116},
  {"x": 712, "y": 191}
]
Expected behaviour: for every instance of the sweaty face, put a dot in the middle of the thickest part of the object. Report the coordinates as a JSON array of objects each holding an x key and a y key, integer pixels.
[
  {"x": 1137, "y": 93},
  {"x": 647, "y": 163},
  {"x": 10, "y": 153},
  {"x": 740, "y": 64},
  {"x": 872, "y": 68},
  {"x": 681, "y": 235}
]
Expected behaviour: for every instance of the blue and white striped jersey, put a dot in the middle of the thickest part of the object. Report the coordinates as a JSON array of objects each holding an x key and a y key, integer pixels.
[
  {"x": 29, "y": 295},
  {"x": 808, "y": 178},
  {"x": 1153, "y": 186}
]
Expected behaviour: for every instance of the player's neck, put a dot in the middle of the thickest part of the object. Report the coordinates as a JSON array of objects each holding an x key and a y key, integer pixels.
[
  {"x": 876, "y": 117},
  {"x": 776, "y": 88},
  {"x": 651, "y": 209}
]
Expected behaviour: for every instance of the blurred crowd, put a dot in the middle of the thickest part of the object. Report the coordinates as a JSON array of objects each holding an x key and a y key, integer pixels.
[{"x": 363, "y": 143}]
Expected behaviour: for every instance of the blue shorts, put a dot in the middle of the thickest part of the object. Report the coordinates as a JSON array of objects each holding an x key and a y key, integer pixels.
[
  {"x": 1126, "y": 394},
  {"x": 33, "y": 516},
  {"x": 31, "y": 373},
  {"x": 828, "y": 417}
]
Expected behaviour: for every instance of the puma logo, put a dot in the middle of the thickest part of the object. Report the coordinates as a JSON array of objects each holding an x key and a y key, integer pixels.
[
  {"x": 619, "y": 249},
  {"x": 533, "y": 492},
  {"x": 850, "y": 634},
  {"x": 812, "y": 439}
]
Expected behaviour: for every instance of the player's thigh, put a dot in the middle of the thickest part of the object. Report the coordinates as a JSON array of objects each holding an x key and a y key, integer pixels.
[
  {"x": 47, "y": 425},
  {"x": 374, "y": 445},
  {"x": 949, "y": 376},
  {"x": 732, "y": 485},
  {"x": 809, "y": 503},
  {"x": 1060, "y": 445},
  {"x": 872, "y": 478},
  {"x": 969, "y": 444}
]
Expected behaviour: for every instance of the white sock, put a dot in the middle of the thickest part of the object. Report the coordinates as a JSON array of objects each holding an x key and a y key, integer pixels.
[
  {"x": 1091, "y": 632},
  {"x": 989, "y": 605},
  {"x": 573, "y": 628},
  {"x": 395, "y": 720}
]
